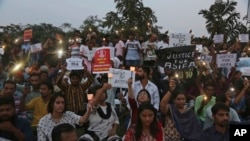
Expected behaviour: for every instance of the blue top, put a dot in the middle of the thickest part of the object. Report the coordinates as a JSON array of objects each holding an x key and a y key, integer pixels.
[
  {"x": 211, "y": 134},
  {"x": 23, "y": 125}
]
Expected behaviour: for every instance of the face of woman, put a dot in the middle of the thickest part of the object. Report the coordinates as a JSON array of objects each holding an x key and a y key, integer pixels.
[
  {"x": 147, "y": 117},
  {"x": 59, "y": 105},
  {"x": 180, "y": 101},
  {"x": 143, "y": 97}
]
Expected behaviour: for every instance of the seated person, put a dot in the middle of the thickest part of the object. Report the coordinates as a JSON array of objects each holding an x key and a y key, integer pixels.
[
  {"x": 13, "y": 127},
  {"x": 64, "y": 132},
  {"x": 103, "y": 121}
]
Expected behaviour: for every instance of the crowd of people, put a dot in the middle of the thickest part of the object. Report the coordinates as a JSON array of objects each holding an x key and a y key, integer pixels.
[{"x": 42, "y": 100}]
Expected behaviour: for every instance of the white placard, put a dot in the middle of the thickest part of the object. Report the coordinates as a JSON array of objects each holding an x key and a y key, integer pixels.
[
  {"x": 120, "y": 77},
  {"x": 149, "y": 49},
  {"x": 226, "y": 60},
  {"x": 245, "y": 71},
  {"x": 244, "y": 38},
  {"x": 74, "y": 64},
  {"x": 36, "y": 48},
  {"x": 206, "y": 58},
  {"x": 2, "y": 51},
  {"x": 199, "y": 48},
  {"x": 219, "y": 38},
  {"x": 179, "y": 39}
]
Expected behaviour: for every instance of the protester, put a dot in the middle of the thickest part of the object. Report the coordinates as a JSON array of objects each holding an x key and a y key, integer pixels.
[
  {"x": 13, "y": 127},
  {"x": 64, "y": 132},
  {"x": 180, "y": 121},
  {"x": 57, "y": 114}
]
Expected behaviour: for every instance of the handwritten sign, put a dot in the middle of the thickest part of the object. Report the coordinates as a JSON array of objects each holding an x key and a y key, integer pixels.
[
  {"x": 176, "y": 58},
  {"x": 101, "y": 60},
  {"x": 226, "y": 60},
  {"x": 149, "y": 49},
  {"x": 206, "y": 58},
  {"x": 179, "y": 39},
  {"x": 36, "y": 48},
  {"x": 120, "y": 77},
  {"x": 244, "y": 38},
  {"x": 74, "y": 64},
  {"x": 199, "y": 48},
  {"x": 27, "y": 35},
  {"x": 219, "y": 38},
  {"x": 2, "y": 51}
]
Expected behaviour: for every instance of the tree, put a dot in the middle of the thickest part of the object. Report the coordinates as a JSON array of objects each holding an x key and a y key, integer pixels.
[
  {"x": 222, "y": 18},
  {"x": 131, "y": 15}
]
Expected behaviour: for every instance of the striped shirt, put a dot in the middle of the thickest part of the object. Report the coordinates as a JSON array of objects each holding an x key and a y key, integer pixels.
[{"x": 75, "y": 95}]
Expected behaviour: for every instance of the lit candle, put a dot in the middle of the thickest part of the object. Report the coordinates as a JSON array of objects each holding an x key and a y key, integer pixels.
[
  {"x": 205, "y": 98},
  {"x": 176, "y": 75},
  {"x": 60, "y": 53},
  {"x": 90, "y": 96},
  {"x": 132, "y": 69},
  {"x": 204, "y": 63},
  {"x": 109, "y": 77}
]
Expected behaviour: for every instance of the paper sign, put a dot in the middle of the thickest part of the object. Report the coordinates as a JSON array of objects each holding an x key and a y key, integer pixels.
[
  {"x": 244, "y": 38},
  {"x": 101, "y": 60},
  {"x": 149, "y": 49},
  {"x": 206, "y": 58},
  {"x": 179, "y": 39},
  {"x": 120, "y": 77},
  {"x": 74, "y": 64},
  {"x": 2, "y": 51},
  {"x": 27, "y": 35},
  {"x": 245, "y": 71},
  {"x": 226, "y": 60},
  {"x": 199, "y": 48},
  {"x": 36, "y": 48},
  {"x": 219, "y": 38}
]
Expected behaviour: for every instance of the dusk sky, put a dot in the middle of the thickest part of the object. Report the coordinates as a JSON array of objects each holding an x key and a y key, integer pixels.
[{"x": 173, "y": 15}]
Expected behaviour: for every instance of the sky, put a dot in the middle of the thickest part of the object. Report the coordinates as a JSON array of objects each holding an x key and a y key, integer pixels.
[{"x": 176, "y": 16}]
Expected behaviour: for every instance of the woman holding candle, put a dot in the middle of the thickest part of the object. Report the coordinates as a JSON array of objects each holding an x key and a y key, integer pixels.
[
  {"x": 204, "y": 101},
  {"x": 180, "y": 121}
]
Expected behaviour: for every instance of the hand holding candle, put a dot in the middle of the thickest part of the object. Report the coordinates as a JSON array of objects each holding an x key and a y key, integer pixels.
[{"x": 132, "y": 69}]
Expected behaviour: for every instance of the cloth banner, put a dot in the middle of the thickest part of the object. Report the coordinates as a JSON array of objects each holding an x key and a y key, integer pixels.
[
  {"x": 101, "y": 60},
  {"x": 226, "y": 60},
  {"x": 176, "y": 58},
  {"x": 120, "y": 77}
]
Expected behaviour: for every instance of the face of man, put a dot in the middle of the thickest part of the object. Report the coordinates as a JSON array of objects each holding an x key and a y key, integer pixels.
[
  {"x": 6, "y": 112},
  {"x": 140, "y": 74},
  {"x": 221, "y": 118},
  {"x": 9, "y": 89},
  {"x": 34, "y": 80},
  {"x": 45, "y": 91}
]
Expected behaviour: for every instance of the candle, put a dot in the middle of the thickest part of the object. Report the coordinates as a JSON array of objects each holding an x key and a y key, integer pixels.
[
  {"x": 176, "y": 75},
  {"x": 132, "y": 69},
  {"x": 205, "y": 98},
  {"x": 60, "y": 53},
  {"x": 90, "y": 96},
  {"x": 109, "y": 77}
]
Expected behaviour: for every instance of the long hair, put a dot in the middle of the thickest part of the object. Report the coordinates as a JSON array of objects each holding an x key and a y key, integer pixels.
[
  {"x": 153, "y": 125},
  {"x": 147, "y": 92},
  {"x": 52, "y": 101}
]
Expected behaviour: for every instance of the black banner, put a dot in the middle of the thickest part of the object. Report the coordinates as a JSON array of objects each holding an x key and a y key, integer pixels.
[{"x": 176, "y": 58}]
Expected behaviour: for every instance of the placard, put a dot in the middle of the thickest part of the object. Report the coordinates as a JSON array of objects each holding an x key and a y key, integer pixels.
[
  {"x": 74, "y": 64},
  {"x": 149, "y": 49},
  {"x": 176, "y": 58},
  {"x": 101, "y": 60},
  {"x": 244, "y": 38},
  {"x": 226, "y": 60},
  {"x": 36, "y": 48},
  {"x": 219, "y": 38},
  {"x": 199, "y": 48},
  {"x": 120, "y": 77},
  {"x": 179, "y": 39},
  {"x": 2, "y": 51},
  {"x": 206, "y": 58},
  {"x": 27, "y": 35}
]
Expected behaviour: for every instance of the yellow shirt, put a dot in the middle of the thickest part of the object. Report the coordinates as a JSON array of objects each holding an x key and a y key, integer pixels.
[{"x": 39, "y": 108}]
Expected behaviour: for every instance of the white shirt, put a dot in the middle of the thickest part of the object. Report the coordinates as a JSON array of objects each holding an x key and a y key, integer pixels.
[
  {"x": 152, "y": 89},
  {"x": 132, "y": 50},
  {"x": 46, "y": 124},
  {"x": 119, "y": 48},
  {"x": 102, "y": 126}
]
